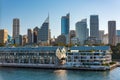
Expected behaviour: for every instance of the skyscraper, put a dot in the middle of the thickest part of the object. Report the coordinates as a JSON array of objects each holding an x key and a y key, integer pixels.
[
  {"x": 82, "y": 30},
  {"x": 94, "y": 26},
  {"x": 3, "y": 36},
  {"x": 44, "y": 32},
  {"x": 16, "y": 27},
  {"x": 112, "y": 32},
  {"x": 65, "y": 24},
  {"x": 35, "y": 34},
  {"x": 30, "y": 36}
]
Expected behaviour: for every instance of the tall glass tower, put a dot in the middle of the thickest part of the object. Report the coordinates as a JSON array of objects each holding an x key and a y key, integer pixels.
[
  {"x": 16, "y": 27},
  {"x": 82, "y": 30},
  {"x": 94, "y": 26},
  {"x": 44, "y": 32},
  {"x": 65, "y": 24}
]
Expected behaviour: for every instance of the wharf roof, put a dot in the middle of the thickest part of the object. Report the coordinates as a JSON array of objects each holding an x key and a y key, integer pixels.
[
  {"x": 88, "y": 48},
  {"x": 43, "y": 48}
]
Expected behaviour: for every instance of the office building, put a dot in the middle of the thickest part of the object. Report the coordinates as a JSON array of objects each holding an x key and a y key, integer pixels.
[
  {"x": 101, "y": 34},
  {"x": 92, "y": 41},
  {"x": 81, "y": 30},
  {"x": 105, "y": 38},
  {"x": 112, "y": 32},
  {"x": 16, "y": 27},
  {"x": 3, "y": 36},
  {"x": 72, "y": 33},
  {"x": 25, "y": 40},
  {"x": 18, "y": 40},
  {"x": 94, "y": 26},
  {"x": 61, "y": 40},
  {"x": 30, "y": 36},
  {"x": 65, "y": 25},
  {"x": 35, "y": 34},
  {"x": 44, "y": 32}
]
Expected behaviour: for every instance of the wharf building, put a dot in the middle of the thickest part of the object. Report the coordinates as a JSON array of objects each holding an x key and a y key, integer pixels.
[
  {"x": 31, "y": 55},
  {"x": 91, "y": 57},
  {"x": 77, "y": 57}
]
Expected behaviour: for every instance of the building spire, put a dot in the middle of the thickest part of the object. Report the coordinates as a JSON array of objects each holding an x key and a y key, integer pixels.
[{"x": 47, "y": 19}]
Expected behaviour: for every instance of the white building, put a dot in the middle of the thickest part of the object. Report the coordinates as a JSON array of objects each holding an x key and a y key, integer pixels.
[{"x": 88, "y": 56}]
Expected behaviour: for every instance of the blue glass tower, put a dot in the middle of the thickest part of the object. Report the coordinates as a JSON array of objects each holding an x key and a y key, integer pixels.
[{"x": 65, "y": 24}]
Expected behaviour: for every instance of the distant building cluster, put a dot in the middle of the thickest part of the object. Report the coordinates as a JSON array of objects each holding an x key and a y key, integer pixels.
[{"x": 80, "y": 36}]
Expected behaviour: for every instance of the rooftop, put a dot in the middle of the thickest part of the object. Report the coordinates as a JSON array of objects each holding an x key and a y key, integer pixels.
[{"x": 87, "y": 48}]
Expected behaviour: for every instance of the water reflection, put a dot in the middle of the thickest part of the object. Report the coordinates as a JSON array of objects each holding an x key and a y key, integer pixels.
[
  {"x": 45, "y": 74},
  {"x": 61, "y": 74}
]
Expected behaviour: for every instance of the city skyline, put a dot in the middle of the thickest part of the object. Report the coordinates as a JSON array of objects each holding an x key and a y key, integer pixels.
[{"x": 33, "y": 12}]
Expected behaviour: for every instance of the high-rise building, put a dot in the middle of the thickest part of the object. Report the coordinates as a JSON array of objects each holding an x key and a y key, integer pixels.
[
  {"x": 3, "y": 36},
  {"x": 112, "y": 32},
  {"x": 82, "y": 30},
  {"x": 101, "y": 34},
  {"x": 94, "y": 26},
  {"x": 44, "y": 32},
  {"x": 65, "y": 24},
  {"x": 30, "y": 36},
  {"x": 35, "y": 34},
  {"x": 16, "y": 27}
]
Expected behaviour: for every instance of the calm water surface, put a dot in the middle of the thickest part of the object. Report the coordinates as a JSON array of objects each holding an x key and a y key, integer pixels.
[{"x": 42, "y": 74}]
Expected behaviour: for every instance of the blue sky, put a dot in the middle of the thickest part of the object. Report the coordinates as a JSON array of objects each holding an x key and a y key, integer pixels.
[{"x": 33, "y": 13}]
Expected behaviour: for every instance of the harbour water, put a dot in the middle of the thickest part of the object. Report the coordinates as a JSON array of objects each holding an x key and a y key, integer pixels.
[{"x": 45, "y": 74}]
